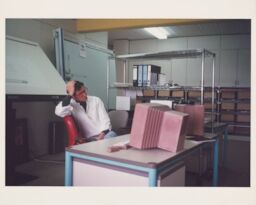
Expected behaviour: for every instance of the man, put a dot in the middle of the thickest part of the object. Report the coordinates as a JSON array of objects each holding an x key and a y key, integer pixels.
[{"x": 88, "y": 112}]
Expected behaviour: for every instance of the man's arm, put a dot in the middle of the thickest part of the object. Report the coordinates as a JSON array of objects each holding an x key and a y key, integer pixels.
[{"x": 64, "y": 108}]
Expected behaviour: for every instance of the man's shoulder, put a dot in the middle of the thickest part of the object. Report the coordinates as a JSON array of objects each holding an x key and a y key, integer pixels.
[{"x": 94, "y": 98}]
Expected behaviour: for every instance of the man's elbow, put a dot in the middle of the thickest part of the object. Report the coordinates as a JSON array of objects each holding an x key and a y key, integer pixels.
[{"x": 57, "y": 112}]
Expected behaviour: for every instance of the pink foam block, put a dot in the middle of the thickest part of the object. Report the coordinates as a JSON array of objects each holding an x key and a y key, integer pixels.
[
  {"x": 196, "y": 118},
  {"x": 145, "y": 125},
  {"x": 173, "y": 131},
  {"x": 156, "y": 125}
]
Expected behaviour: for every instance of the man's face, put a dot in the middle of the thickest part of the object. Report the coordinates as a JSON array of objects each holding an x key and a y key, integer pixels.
[{"x": 81, "y": 95}]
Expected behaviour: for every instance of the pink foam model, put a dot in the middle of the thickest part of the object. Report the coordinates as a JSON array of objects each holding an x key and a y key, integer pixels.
[
  {"x": 155, "y": 125},
  {"x": 196, "y": 118},
  {"x": 143, "y": 134},
  {"x": 173, "y": 131}
]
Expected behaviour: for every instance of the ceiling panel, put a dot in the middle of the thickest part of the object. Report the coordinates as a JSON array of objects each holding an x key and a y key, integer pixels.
[{"x": 218, "y": 27}]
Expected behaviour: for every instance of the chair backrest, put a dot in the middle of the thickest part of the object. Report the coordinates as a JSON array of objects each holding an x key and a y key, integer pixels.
[
  {"x": 118, "y": 118},
  {"x": 71, "y": 129}
]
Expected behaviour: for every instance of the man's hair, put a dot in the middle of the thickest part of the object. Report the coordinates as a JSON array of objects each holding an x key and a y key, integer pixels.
[{"x": 78, "y": 85}]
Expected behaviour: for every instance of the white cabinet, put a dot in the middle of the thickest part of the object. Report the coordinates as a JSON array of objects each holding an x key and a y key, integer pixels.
[
  {"x": 179, "y": 70},
  {"x": 235, "y": 68},
  {"x": 228, "y": 64},
  {"x": 194, "y": 72},
  {"x": 243, "y": 69}
]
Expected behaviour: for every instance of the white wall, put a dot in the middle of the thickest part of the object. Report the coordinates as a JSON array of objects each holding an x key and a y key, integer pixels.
[
  {"x": 232, "y": 66},
  {"x": 39, "y": 114}
]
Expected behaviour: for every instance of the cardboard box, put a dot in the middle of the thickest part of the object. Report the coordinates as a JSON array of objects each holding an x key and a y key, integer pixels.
[
  {"x": 227, "y": 117},
  {"x": 164, "y": 93},
  {"x": 243, "y": 95},
  {"x": 243, "y": 106},
  {"x": 243, "y": 118},
  {"x": 228, "y": 95},
  {"x": 227, "y": 106}
]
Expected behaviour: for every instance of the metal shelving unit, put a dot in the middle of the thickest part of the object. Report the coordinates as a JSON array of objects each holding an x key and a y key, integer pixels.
[
  {"x": 235, "y": 109},
  {"x": 168, "y": 55},
  {"x": 195, "y": 53}
]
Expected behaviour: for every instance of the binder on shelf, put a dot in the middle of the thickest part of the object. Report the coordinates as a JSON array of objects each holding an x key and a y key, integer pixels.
[
  {"x": 145, "y": 75},
  {"x": 154, "y": 74},
  {"x": 140, "y": 74},
  {"x": 135, "y": 76},
  {"x": 149, "y": 76}
]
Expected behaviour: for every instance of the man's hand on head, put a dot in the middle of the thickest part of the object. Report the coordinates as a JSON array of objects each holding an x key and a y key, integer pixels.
[{"x": 70, "y": 87}]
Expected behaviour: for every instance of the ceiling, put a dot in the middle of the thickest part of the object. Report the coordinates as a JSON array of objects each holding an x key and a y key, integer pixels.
[{"x": 218, "y": 27}]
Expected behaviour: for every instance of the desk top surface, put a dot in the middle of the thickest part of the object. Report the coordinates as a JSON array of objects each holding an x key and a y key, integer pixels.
[{"x": 146, "y": 158}]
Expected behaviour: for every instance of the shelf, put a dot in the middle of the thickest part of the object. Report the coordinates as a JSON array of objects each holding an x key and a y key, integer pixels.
[
  {"x": 193, "y": 53},
  {"x": 234, "y": 107},
  {"x": 234, "y": 112},
  {"x": 234, "y": 101},
  {"x": 239, "y": 124}
]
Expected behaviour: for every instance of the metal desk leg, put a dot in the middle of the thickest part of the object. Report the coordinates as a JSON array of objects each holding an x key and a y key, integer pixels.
[
  {"x": 68, "y": 169},
  {"x": 153, "y": 178},
  {"x": 215, "y": 162},
  {"x": 199, "y": 166},
  {"x": 225, "y": 146}
]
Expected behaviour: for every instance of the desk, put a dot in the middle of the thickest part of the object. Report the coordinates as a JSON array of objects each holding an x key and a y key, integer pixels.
[
  {"x": 152, "y": 162},
  {"x": 222, "y": 128}
]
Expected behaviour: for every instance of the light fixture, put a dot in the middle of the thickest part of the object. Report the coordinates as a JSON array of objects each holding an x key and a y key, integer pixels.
[{"x": 158, "y": 32}]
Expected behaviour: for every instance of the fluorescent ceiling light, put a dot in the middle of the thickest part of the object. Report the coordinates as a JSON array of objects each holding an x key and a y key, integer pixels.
[{"x": 158, "y": 32}]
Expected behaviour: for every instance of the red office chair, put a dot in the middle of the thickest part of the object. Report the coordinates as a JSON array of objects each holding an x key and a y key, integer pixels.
[{"x": 73, "y": 134}]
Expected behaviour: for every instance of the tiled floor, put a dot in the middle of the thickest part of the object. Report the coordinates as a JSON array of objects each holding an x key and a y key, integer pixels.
[{"x": 49, "y": 170}]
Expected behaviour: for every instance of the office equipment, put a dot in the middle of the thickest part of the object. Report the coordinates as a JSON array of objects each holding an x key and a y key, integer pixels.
[
  {"x": 29, "y": 71},
  {"x": 155, "y": 125},
  {"x": 30, "y": 76}
]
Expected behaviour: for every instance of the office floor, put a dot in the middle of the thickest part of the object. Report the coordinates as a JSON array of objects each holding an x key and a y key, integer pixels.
[{"x": 49, "y": 169}]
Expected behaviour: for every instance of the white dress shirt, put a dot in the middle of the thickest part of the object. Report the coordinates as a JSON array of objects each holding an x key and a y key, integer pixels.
[{"x": 90, "y": 122}]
